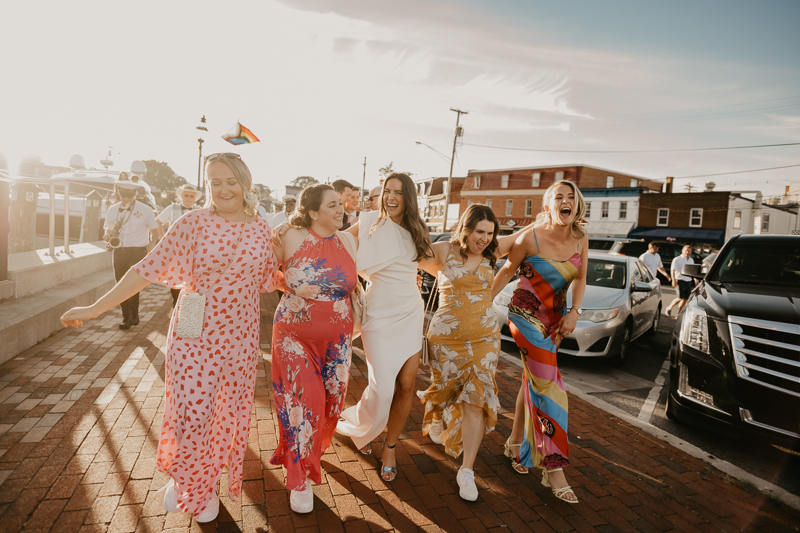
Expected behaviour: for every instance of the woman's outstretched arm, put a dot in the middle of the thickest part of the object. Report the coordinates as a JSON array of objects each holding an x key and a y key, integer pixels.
[{"x": 130, "y": 284}]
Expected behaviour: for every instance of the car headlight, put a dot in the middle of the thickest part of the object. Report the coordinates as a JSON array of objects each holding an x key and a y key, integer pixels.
[
  {"x": 599, "y": 315},
  {"x": 694, "y": 329}
]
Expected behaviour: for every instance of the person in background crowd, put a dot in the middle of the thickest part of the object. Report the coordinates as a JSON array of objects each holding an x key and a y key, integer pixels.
[
  {"x": 187, "y": 198},
  {"x": 683, "y": 283},
  {"x": 113, "y": 197},
  {"x": 289, "y": 201},
  {"x": 144, "y": 194},
  {"x": 390, "y": 244},
  {"x": 652, "y": 260},
  {"x": 538, "y": 319},
  {"x": 464, "y": 340},
  {"x": 209, "y": 380},
  {"x": 262, "y": 212},
  {"x": 349, "y": 195},
  {"x": 312, "y": 336},
  {"x": 374, "y": 200},
  {"x": 131, "y": 223}
]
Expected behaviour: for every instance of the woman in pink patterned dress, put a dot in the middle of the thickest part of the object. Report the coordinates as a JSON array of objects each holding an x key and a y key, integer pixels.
[
  {"x": 225, "y": 252},
  {"x": 311, "y": 338}
]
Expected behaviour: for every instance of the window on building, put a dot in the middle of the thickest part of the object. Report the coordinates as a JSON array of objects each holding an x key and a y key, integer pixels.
[
  {"x": 588, "y": 209},
  {"x": 604, "y": 210},
  {"x": 663, "y": 217},
  {"x": 469, "y": 203},
  {"x": 528, "y": 207},
  {"x": 696, "y": 217},
  {"x": 535, "y": 179},
  {"x": 476, "y": 182},
  {"x": 737, "y": 220},
  {"x": 623, "y": 210},
  {"x": 489, "y": 203},
  {"x": 609, "y": 182},
  {"x": 765, "y": 222},
  {"x": 504, "y": 181},
  {"x": 559, "y": 175},
  {"x": 634, "y": 183},
  {"x": 509, "y": 207}
]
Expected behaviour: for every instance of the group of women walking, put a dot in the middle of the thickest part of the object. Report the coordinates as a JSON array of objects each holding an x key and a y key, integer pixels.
[{"x": 223, "y": 256}]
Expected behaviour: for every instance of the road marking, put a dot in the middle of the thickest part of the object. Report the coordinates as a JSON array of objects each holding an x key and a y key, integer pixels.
[{"x": 652, "y": 398}]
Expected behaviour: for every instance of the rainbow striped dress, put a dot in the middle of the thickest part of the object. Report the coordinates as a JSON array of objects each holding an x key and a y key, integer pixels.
[{"x": 536, "y": 307}]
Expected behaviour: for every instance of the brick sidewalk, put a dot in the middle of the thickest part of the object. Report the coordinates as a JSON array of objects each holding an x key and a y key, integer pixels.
[{"x": 80, "y": 414}]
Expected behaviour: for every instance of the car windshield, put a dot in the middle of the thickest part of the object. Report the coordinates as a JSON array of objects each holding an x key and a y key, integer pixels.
[
  {"x": 602, "y": 273},
  {"x": 759, "y": 263}
]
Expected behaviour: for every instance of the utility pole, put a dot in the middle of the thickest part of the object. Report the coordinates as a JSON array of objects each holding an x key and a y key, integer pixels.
[
  {"x": 363, "y": 182},
  {"x": 459, "y": 133}
]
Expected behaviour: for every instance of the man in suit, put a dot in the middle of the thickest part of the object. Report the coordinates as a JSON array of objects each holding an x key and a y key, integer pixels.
[{"x": 349, "y": 195}]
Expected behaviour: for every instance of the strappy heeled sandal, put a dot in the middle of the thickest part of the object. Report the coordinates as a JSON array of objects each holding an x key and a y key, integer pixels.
[
  {"x": 388, "y": 469},
  {"x": 366, "y": 449},
  {"x": 558, "y": 493},
  {"x": 518, "y": 467}
]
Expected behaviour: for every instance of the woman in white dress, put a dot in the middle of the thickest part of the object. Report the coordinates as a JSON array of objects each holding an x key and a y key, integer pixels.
[{"x": 390, "y": 244}]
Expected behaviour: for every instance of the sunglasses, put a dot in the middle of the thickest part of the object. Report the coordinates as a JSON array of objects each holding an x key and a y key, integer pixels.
[{"x": 222, "y": 155}]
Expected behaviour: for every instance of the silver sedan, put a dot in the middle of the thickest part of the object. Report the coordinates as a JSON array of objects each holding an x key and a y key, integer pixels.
[{"x": 621, "y": 303}]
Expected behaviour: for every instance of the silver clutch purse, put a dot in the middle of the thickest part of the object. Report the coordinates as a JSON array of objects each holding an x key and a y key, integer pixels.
[{"x": 191, "y": 313}]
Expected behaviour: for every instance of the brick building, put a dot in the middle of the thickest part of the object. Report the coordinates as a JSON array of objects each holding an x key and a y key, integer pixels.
[
  {"x": 690, "y": 217},
  {"x": 515, "y": 194}
]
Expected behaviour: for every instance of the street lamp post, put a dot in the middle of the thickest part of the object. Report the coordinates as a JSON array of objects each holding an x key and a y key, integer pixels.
[{"x": 201, "y": 127}]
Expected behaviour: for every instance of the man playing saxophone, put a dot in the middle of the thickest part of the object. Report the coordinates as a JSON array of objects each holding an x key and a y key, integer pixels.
[{"x": 128, "y": 226}]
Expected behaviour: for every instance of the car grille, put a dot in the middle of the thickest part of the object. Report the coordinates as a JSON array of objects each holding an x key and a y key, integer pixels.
[
  {"x": 767, "y": 353},
  {"x": 569, "y": 344}
]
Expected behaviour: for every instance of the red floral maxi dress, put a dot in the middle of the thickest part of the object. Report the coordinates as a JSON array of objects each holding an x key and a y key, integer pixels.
[
  {"x": 210, "y": 381},
  {"x": 311, "y": 354}
]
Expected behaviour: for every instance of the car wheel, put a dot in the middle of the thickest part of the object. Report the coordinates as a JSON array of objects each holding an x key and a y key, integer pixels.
[
  {"x": 624, "y": 347},
  {"x": 654, "y": 327},
  {"x": 669, "y": 411}
]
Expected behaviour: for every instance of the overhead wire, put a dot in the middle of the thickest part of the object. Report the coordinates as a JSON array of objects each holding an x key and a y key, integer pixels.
[
  {"x": 734, "y": 172},
  {"x": 631, "y": 151}
]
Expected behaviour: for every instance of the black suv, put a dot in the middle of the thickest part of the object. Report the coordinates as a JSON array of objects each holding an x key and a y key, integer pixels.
[
  {"x": 735, "y": 351},
  {"x": 666, "y": 249}
]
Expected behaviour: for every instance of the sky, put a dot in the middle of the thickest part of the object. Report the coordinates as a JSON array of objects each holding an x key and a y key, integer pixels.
[{"x": 325, "y": 85}]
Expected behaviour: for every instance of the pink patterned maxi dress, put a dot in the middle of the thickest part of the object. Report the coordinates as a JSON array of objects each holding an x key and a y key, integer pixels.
[
  {"x": 210, "y": 381},
  {"x": 311, "y": 354}
]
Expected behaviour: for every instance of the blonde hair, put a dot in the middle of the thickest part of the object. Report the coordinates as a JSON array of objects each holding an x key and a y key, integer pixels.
[
  {"x": 245, "y": 179},
  {"x": 545, "y": 218}
]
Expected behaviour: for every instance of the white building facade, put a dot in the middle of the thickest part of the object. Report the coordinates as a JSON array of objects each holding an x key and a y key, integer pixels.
[
  {"x": 753, "y": 217},
  {"x": 612, "y": 212}
]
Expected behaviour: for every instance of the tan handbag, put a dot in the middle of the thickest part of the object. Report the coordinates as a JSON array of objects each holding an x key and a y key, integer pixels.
[
  {"x": 192, "y": 307},
  {"x": 358, "y": 299}
]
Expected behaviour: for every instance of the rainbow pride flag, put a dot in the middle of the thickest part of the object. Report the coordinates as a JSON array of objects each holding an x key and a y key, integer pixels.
[{"x": 240, "y": 135}]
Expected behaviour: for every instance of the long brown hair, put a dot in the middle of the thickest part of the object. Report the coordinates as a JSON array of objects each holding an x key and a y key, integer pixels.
[
  {"x": 466, "y": 225},
  {"x": 545, "y": 218},
  {"x": 310, "y": 200},
  {"x": 411, "y": 219}
]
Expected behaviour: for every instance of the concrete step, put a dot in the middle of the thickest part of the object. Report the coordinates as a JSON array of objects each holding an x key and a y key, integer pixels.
[{"x": 29, "y": 320}]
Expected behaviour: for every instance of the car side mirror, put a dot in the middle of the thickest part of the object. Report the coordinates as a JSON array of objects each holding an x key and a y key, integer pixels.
[
  {"x": 641, "y": 286},
  {"x": 693, "y": 271}
]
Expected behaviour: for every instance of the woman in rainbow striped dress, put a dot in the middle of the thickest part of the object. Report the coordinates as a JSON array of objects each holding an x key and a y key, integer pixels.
[{"x": 550, "y": 258}]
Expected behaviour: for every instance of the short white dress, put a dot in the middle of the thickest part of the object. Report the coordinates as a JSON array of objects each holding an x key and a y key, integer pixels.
[{"x": 392, "y": 332}]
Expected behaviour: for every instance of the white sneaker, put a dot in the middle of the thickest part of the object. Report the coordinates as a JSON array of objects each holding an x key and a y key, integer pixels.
[
  {"x": 171, "y": 498},
  {"x": 435, "y": 433},
  {"x": 211, "y": 511},
  {"x": 466, "y": 483},
  {"x": 302, "y": 501}
]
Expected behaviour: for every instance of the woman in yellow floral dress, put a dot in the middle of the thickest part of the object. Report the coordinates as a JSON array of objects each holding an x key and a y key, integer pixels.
[{"x": 464, "y": 340}]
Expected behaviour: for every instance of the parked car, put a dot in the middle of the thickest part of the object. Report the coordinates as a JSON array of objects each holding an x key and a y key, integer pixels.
[
  {"x": 735, "y": 351},
  {"x": 668, "y": 251},
  {"x": 601, "y": 244},
  {"x": 621, "y": 303}
]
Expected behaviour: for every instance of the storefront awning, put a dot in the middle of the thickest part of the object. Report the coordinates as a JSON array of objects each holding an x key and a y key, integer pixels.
[
  {"x": 689, "y": 235},
  {"x": 597, "y": 228},
  {"x": 518, "y": 222}
]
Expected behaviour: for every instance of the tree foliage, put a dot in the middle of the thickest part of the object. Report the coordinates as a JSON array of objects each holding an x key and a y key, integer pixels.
[
  {"x": 304, "y": 181},
  {"x": 29, "y": 163},
  {"x": 161, "y": 176},
  {"x": 262, "y": 191},
  {"x": 389, "y": 169}
]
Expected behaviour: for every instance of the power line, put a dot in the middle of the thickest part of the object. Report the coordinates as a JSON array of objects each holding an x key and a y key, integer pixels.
[
  {"x": 704, "y": 108},
  {"x": 735, "y": 172},
  {"x": 630, "y": 151}
]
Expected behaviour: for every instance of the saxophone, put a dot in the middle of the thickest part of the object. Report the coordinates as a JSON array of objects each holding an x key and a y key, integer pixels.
[{"x": 113, "y": 242}]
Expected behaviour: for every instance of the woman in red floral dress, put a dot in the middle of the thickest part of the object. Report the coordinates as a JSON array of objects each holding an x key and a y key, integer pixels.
[
  {"x": 311, "y": 338},
  {"x": 210, "y": 380}
]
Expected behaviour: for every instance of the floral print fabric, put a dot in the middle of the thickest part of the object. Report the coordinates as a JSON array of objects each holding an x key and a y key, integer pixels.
[
  {"x": 464, "y": 340},
  {"x": 311, "y": 354},
  {"x": 210, "y": 381}
]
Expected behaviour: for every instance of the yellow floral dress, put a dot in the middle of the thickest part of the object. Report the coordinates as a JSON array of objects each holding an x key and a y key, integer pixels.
[{"x": 464, "y": 340}]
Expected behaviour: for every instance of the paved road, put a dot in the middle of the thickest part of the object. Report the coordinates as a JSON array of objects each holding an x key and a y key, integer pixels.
[{"x": 629, "y": 387}]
